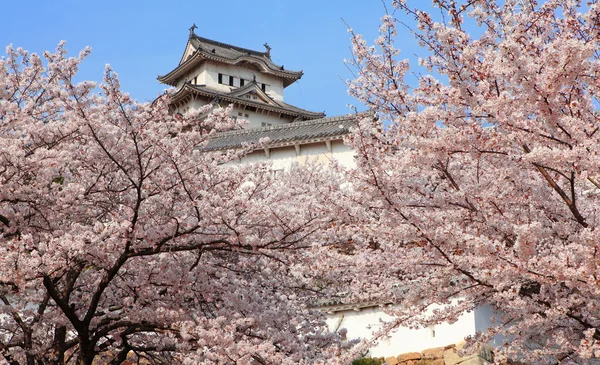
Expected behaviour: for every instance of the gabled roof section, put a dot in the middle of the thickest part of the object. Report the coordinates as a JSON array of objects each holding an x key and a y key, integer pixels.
[
  {"x": 252, "y": 88},
  {"x": 199, "y": 49},
  {"x": 189, "y": 90},
  {"x": 188, "y": 52},
  {"x": 284, "y": 135}
]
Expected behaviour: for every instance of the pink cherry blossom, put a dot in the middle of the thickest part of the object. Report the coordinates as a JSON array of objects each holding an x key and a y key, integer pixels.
[
  {"x": 479, "y": 185},
  {"x": 120, "y": 240}
]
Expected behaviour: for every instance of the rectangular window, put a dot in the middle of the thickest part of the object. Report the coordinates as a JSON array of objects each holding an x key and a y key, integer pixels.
[
  {"x": 195, "y": 80},
  {"x": 220, "y": 78},
  {"x": 264, "y": 87},
  {"x": 231, "y": 79},
  {"x": 276, "y": 173},
  {"x": 242, "y": 82},
  {"x": 263, "y": 124}
]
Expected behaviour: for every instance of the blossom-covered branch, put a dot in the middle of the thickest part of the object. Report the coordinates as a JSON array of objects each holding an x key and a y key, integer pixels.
[
  {"x": 120, "y": 240},
  {"x": 479, "y": 182}
]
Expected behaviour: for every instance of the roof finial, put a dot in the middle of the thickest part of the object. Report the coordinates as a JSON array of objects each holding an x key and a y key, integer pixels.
[
  {"x": 192, "y": 29},
  {"x": 268, "y": 50}
]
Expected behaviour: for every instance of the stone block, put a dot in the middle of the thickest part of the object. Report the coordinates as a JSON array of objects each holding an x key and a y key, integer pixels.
[
  {"x": 487, "y": 354},
  {"x": 460, "y": 345},
  {"x": 409, "y": 356},
  {"x": 437, "y": 362},
  {"x": 391, "y": 360},
  {"x": 435, "y": 353},
  {"x": 451, "y": 357},
  {"x": 473, "y": 360}
]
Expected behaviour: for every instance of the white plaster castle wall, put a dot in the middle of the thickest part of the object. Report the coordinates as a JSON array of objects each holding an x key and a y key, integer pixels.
[
  {"x": 283, "y": 157},
  {"x": 362, "y": 324},
  {"x": 255, "y": 119},
  {"x": 199, "y": 72},
  {"x": 213, "y": 69},
  {"x": 343, "y": 154}
]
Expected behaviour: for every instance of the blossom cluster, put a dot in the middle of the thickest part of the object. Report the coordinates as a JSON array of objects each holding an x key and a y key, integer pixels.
[
  {"x": 478, "y": 186},
  {"x": 121, "y": 241}
]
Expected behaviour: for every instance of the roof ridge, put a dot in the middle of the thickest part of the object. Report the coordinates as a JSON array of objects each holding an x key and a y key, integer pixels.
[
  {"x": 241, "y": 89},
  {"x": 221, "y": 44},
  {"x": 253, "y": 86}
]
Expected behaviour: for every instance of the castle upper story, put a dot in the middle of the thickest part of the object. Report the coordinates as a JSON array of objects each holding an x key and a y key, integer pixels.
[{"x": 216, "y": 72}]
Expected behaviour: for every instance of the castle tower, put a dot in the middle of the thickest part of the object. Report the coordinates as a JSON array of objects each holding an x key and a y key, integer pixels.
[{"x": 223, "y": 74}]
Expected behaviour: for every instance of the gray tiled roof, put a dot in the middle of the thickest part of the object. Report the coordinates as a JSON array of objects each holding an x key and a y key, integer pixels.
[
  {"x": 332, "y": 306},
  {"x": 287, "y": 134},
  {"x": 223, "y": 49},
  {"x": 277, "y": 106},
  {"x": 232, "y": 52}
]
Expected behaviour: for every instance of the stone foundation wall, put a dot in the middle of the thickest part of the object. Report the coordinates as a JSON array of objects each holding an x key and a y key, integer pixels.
[{"x": 441, "y": 356}]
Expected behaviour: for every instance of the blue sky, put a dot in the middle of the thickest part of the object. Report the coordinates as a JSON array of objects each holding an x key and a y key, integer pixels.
[{"x": 144, "y": 39}]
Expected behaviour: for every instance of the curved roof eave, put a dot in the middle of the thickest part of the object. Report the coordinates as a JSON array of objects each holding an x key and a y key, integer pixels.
[
  {"x": 171, "y": 77},
  {"x": 306, "y": 132},
  {"x": 200, "y": 55},
  {"x": 187, "y": 88}
]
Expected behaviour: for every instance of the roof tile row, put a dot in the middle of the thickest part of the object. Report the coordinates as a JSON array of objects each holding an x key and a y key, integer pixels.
[{"x": 287, "y": 134}]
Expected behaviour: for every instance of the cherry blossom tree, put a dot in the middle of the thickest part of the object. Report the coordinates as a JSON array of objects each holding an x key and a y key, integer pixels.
[
  {"x": 120, "y": 240},
  {"x": 479, "y": 185}
]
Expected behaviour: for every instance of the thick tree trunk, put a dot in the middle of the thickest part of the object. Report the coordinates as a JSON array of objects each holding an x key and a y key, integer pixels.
[
  {"x": 57, "y": 355},
  {"x": 86, "y": 358},
  {"x": 87, "y": 351}
]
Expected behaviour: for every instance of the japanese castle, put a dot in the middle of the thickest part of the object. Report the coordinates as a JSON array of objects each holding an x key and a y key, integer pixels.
[{"x": 211, "y": 72}]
